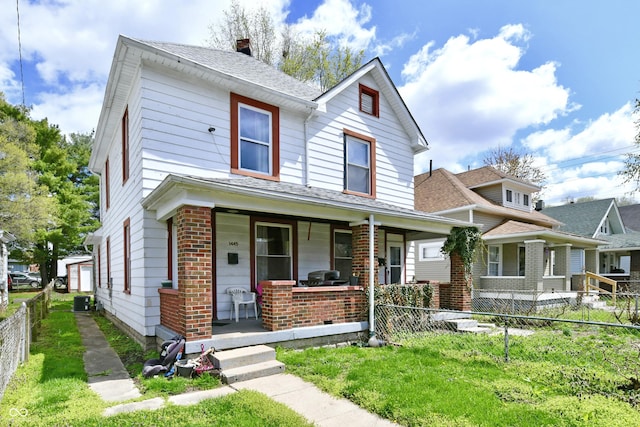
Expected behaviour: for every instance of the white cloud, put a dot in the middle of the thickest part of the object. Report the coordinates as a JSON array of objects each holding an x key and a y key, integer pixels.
[
  {"x": 608, "y": 133},
  {"x": 472, "y": 95},
  {"x": 340, "y": 19}
]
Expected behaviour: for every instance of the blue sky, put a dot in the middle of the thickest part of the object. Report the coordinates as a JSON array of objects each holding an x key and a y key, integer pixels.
[{"x": 556, "y": 79}]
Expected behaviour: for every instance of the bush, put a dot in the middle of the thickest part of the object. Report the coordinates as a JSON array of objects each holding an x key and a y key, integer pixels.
[{"x": 409, "y": 295}]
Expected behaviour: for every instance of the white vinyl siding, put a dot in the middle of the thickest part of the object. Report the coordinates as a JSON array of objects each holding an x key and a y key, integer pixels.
[{"x": 394, "y": 156}]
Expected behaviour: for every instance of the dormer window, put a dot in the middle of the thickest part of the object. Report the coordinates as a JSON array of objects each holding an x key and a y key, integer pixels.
[
  {"x": 255, "y": 139},
  {"x": 369, "y": 101},
  {"x": 516, "y": 199},
  {"x": 509, "y": 196},
  {"x": 525, "y": 199}
]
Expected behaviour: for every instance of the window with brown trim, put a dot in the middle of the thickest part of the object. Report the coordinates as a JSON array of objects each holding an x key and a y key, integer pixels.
[
  {"x": 369, "y": 100},
  {"x": 359, "y": 164},
  {"x": 341, "y": 251},
  {"x": 107, "y": 189},
  {"x": 99, "y": 268},
  {"x": 127, "y": 255},
  {"x": 125, "y": 146},
  {"x": 109, "y": 280},
  {"x": 255, "y": 138}
]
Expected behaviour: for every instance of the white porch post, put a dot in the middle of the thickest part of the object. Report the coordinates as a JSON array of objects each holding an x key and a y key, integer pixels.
[{"x": 372, "y": 329}]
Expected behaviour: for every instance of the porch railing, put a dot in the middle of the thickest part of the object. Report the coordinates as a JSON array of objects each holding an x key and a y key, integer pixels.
[{"x": 588, "y": 276}]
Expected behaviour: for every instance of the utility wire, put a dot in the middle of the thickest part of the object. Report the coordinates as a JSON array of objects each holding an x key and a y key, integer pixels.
[{"x": 24, "y": 104}]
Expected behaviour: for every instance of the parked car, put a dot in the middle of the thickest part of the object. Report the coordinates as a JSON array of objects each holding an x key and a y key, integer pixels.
[{"x": 19, "y": 278}]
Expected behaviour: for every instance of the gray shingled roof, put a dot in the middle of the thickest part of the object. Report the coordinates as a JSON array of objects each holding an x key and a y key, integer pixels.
[
  {"x": 622, "y": 241},
  {"x": 241, "y": 66},
  {"x": 630, "y": 216},
  {"x": 316, "y": 194},
  {"x": 580, "y": 218}
]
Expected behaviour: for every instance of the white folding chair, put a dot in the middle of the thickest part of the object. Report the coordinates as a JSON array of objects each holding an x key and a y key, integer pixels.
[{"x": 242, "y": 297}]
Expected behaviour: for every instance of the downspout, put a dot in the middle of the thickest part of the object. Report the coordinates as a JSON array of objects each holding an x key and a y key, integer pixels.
[{"x": 306, "y": 148}]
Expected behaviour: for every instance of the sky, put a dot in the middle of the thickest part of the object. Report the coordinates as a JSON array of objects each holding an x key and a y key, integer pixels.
[{"x": 553, "y": 79}]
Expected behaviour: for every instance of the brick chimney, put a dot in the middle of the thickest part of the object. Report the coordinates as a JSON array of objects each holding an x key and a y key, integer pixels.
[{"x": 243, "y": 46}]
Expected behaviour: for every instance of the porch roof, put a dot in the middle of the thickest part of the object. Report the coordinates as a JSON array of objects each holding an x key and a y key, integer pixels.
[
  {"x": 622, "y": 242},
  {"x": 257, "y": 195},
  {"x": 512, "y": 231}
]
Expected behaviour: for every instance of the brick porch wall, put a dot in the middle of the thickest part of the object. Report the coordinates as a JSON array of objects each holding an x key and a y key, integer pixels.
[
  {"x": 285, "y": 306},
  {"x": 171, "y": 310}
]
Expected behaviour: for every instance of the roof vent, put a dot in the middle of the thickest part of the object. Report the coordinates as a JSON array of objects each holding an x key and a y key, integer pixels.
[{"x": 243, "y": 46}]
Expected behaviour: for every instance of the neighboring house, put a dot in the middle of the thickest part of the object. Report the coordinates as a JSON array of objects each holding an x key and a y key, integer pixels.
[
  {"x": 4, "y": 268},
  {"x": 525, "y": 250},
  {"x": 619, "y": 258},
  {"x": 219, "y": 171},
  {"x": 630, "y": 215}
]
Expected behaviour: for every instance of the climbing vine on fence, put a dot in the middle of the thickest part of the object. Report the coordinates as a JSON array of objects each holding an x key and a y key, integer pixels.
[{"x": 408, "y": 295}]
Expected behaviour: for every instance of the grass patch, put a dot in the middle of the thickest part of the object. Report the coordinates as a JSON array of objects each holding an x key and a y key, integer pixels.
[
  {"x": 51, "y": 389},
  {"x": 462, "y": 380}
]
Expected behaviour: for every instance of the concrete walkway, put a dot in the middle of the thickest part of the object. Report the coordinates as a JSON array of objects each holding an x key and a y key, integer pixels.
[{"x": 110, "y": 380}]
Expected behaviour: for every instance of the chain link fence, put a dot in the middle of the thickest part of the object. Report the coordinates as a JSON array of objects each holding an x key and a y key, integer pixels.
[
  {"x": 591, "y": 350},
  {"x": 16, "y": 332}
]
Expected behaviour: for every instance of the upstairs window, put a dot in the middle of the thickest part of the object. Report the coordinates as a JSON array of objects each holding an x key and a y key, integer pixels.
[
  {"x": 509, "y": 196},
  {"x": 125, "y": 146},
  {"x": 369, "y": 101},
  {"x": 255, "y": 144},
  {"x": 525, "y": 199},
  {"x": 359, "y": 171}
]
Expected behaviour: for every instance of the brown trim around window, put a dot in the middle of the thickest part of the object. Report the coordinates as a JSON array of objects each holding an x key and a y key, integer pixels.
[
  {"x": 126, "y": 228},
  {"x": 372, "y": 163},
  {"x": 294, "y": 245},
  {"x": 107, "y": 189},
  {"x": 375, "y": 100},
  {"x": 99, "y": 267},
  {"x": 109, "y": 281},
  {"x": 170, "y": 249},
  {"x": 275, "y": 137},
  {"x": 125, "y": 146}
]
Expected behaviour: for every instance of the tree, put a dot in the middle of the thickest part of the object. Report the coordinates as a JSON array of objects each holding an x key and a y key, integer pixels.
[
  {"x": 24, "y": 203},
  {"x": 318, "y": 60},
  {"x": 516, "y": 164},
  {"x": 48, "y": 198},
  {"x": 631, "y": 171}
]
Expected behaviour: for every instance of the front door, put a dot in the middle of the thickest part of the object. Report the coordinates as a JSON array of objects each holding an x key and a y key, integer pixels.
[{"x": 395, "y": 259}]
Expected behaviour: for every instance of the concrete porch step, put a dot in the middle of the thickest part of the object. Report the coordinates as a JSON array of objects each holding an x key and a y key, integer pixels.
[
  {"x": 249, "y": 372},
  {"x": 238, "y": 357},
  {"x": 460, "y": 324}
]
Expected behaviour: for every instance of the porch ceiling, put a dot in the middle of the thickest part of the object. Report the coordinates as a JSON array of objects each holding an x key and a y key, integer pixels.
[{"x": 256, "y": 195}]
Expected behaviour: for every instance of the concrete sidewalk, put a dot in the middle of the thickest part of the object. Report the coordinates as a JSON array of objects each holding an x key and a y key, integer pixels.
[{"x": 110, "y": 380}]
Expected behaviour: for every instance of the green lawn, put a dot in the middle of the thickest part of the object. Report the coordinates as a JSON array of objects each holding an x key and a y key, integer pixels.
[
  {"x": 553, "y": 379},
  {"x": 51, "y": 388}
]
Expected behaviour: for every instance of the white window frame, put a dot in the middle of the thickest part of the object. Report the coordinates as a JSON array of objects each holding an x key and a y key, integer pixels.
[
  {"x": 497, "y": 262},
  {"x": 268, "y": 143},
  {"x": 431, "y": 251}
]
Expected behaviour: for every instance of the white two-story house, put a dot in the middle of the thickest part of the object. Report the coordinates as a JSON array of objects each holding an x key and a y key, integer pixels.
[{"x": 219, "y": 171}]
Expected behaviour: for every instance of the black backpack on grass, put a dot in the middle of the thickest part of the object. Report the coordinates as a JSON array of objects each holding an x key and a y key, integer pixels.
[{"x": 170, "y": 351}]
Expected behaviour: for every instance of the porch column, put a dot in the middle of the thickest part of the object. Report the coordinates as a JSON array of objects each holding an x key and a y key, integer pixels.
[
  {"x": 534, "y": 264},
  {"x": 563, "y": 264},
  {"x": 360, "y": 253},
  {"x": 591, "y": 260},
  {"x": 460, "y": 289},
  {"x": 194, "y": 255}
]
